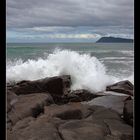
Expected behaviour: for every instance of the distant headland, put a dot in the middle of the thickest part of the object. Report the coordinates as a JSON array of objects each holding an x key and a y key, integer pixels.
[{"x": 114, "y": 40}]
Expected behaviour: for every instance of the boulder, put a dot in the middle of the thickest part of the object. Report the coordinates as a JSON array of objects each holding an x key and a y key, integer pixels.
[
  {"x": 109, "y": 101},
  {"x": 128, "y": 112},
  {"x": 12, "y": 98},
  {"x": 56, "y": 86},
  {"x": 10, "y": 85},
  {"x": 111, "y": 138},
  {"x": 105, "y": 124},
  {"x": 46, "y": 109},
  {"x": 29, "y": 105},
  {"x": 100, "y": 113},
  {"x": 23, "y": 123},
  {"x": 125, "y": 87},
  {"x": 66, "y": 84},
  {"x": 9, "y": 135},
  {"x": 64, "y": 122},
  {"x": 36, "y": 130},
  {"x": 119, "y": 129},
  {"x": 75, "y": 96},
  {"x": 104, "y": 93},
  {"x": 67, "y": 111},
  {"x": 81, "y": 95},
  {"x": 83, "y": 130}
]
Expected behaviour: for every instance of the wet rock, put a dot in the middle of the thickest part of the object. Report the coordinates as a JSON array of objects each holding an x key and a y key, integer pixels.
[
  {"x": 46, "y": 109},
  {"x": 9, "y": 126},
  {"x": 81, "y": 95},
  {"x": 10, "y": 135},
  {"x": 56, "y": 86},
  {"x": 104, "y": 93},
  {"x": 128, "y": 98},
  {"x": 36, "y": 130},
  {"x": 82, "y": 130},
  {"x": 125, "y": 87},
  {"x": 21, "y": 124},
  {"x": 109, "y": 101},
  {"x": 119, "y": 129},
  {"x": 75, "y": 96},
  {"x": 29, "y": 105},
  {"x": 111, "y": 138},
  {"x": 67, "y": 111},
  {"x": 101, "y": 113},
  {"x": 128, "y": 112},
  {"x": 66, "y": 84},
  {"x": 12, "y": 98},
  {"x": 61, "y": 123}
]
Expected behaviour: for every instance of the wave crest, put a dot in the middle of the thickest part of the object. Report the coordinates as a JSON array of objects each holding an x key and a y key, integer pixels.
[{"x": 86, "y": 72}]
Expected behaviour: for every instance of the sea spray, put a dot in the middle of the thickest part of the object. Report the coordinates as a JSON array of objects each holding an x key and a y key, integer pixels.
[{"x": 86, "y": 72}]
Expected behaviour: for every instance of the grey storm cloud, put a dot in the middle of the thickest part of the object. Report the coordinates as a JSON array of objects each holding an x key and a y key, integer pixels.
[{"x": 41, "y": 13}]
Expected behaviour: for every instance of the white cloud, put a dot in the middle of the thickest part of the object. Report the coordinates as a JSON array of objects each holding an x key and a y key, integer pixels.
[
  {"x": 85, "y": 19},
  {"x": 81, "y": 36},
  {"x": 51, "y": 29},
  {"x": 60, "y": 36},
  {"x": 34, "y": 13}
]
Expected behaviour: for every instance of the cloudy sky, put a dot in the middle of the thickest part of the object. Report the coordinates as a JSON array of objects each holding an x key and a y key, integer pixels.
[{"x": 68, "y": 20}]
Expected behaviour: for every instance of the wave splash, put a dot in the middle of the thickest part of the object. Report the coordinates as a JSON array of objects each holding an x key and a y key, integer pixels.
[{"x": 86, "y": 72}]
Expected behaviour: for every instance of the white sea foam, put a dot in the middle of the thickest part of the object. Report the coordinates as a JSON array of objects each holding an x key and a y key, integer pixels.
[
  {"x": 86, "y": 72},
  {"x": 130, "y": 78},
  {"x": 126, "y": 52}
]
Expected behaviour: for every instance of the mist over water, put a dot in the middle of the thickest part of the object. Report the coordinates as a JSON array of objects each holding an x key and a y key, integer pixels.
[{"x": 91, "y": 69}]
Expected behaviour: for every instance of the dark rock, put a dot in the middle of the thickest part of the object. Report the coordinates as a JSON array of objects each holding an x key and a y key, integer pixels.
[
  {"x": 56, "y": 86},
  {"x": 9, "y": 126},
  {"x": 128, "y": 112},
  {"x": 75, "y": 96},
  {"x": 21, "y": 124},
  {"x": 29, "y": 105},
  {"x": 61, "y": 123},
  {"x": 10, "y": 85},
  {"x": 35, "y": 130},
  {"x": 119, "y": 130},
  {"x": 66, "y": 83},
  {"x": 46, "y": 109},
  {"x": 101, "y": 113},
  {"x": 128, "y": 98},
  {"x": 10, "y": 135},
  {"x": 111, "y": 138},
  {"x": 83, "y": 130},
  {"x": 12, "y": 98},
  {"x": 104, "y": 93},
  {"x": 110, "y": 101},
  {"x": 67, "y": 111},
  {"x": 125, "y": 87},
  {"x": 81, "y": 95}
]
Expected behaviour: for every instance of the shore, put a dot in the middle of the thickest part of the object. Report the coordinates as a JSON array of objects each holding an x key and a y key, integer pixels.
[{"x": 47, "y": 109}]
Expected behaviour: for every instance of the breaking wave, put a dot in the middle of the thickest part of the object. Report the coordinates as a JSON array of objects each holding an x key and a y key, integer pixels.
[{"x": 86, "y": 71}]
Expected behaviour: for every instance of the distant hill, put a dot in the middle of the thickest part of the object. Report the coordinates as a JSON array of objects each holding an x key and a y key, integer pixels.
[{"x": 114, "y": 40}]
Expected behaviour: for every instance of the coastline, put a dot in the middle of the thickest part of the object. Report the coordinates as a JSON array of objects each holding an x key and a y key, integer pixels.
[{"x": 36, "y": 108}]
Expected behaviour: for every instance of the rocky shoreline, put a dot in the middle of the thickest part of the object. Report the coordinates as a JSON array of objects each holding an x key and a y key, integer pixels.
[{"x": 47, "y": 109}]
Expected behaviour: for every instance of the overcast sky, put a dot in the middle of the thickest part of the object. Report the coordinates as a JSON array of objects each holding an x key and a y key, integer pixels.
[{"x": 68, "y": 20}]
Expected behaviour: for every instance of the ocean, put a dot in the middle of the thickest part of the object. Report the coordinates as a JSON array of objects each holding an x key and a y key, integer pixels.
[{"x": 92, "y": 66}]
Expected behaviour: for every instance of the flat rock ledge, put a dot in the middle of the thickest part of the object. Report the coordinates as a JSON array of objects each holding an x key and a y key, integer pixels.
[{"x": 47, "y": 109}]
